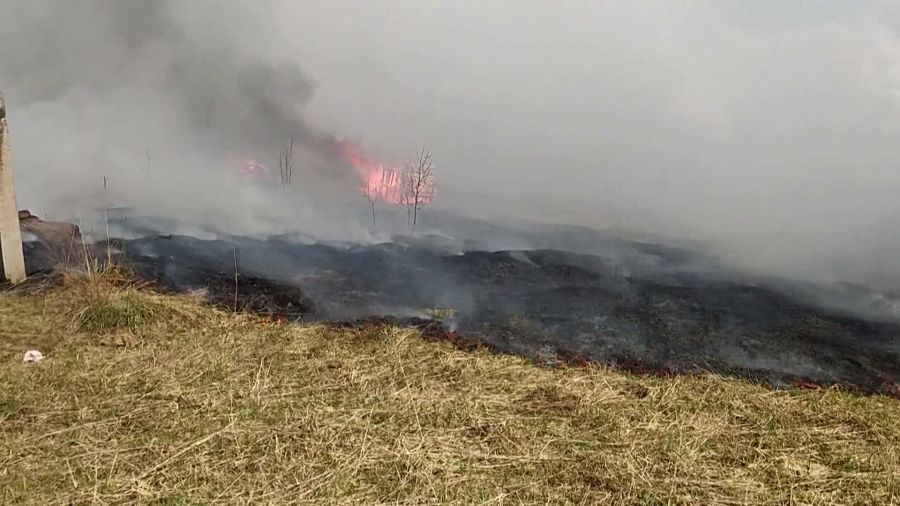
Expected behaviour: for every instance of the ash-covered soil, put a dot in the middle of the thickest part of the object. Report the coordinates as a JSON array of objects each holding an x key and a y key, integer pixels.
[{"x": 651, "y": 309}]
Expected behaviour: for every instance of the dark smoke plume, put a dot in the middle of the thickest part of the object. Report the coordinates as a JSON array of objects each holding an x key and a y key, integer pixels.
[{"x": 163, "y": 103}]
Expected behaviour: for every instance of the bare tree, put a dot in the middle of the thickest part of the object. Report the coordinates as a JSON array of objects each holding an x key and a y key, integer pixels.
[
  {"x": 418, "y": 185},
  {"x": 371, "y": 195},
  {"x": 286, "y": 164}
]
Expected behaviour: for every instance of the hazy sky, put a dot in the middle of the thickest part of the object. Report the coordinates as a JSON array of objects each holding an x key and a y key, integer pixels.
[{"x": 768, "y": 128}]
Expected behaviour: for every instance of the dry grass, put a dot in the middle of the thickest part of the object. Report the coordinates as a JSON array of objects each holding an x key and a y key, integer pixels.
[{"x": 152, "y": 399}]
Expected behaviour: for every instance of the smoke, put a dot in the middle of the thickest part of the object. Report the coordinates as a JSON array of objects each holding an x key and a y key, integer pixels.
[
  {"x": 766, "y": 130},
  {"x": 158, "y": 105}
]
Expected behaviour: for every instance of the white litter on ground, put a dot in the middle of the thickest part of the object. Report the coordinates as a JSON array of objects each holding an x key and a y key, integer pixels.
[{"x": 32, "y": 356}]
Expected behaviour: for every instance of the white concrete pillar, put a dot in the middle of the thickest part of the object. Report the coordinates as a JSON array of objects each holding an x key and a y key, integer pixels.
[{"x": 12, "y": 267}]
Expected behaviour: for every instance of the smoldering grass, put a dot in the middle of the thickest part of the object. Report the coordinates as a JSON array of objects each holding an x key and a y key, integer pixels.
[{"x": 213, "y": 407}]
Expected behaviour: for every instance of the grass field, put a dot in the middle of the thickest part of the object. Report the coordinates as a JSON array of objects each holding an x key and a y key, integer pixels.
[{"x": 145, "y": 398}]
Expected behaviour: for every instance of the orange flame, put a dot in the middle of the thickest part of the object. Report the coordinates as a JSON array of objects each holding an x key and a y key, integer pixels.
[{"x": 377, "y": 180}]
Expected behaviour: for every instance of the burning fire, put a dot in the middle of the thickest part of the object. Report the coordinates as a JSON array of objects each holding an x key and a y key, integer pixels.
[
  {"x": 249, "y": 168},
  {"x": 377, "y": 180},
  {"x": 255, "y": 170}
]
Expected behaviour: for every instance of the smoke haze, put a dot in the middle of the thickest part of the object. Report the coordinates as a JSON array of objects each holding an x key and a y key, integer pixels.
[{"x": 767, "y": 130}]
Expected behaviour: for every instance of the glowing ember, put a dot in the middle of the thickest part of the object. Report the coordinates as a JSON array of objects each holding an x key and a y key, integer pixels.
[
  {"x": 255, "y": 170},
  {"x": 249, "y": 168}
]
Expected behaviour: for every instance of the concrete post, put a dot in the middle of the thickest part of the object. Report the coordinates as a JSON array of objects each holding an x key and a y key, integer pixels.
[{"x": 12, "y": 267}]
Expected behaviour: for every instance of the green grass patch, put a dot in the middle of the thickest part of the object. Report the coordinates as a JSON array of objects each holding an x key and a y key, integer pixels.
[{"x": 128, "y": 311}]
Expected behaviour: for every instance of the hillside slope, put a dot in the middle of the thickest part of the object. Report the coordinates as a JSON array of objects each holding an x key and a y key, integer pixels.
[{"x": 144, "y": 397}]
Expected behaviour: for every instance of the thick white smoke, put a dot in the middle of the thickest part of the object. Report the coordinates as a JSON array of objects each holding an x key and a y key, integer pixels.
[
  {"x": 157, "y": 105},
  {"x": 766, "y": 129}
]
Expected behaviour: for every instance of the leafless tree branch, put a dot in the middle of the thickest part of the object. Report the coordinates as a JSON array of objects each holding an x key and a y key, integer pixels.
[
  {"x": 371, "y": 195},
  {"x": 286, "y": 164},
  {"x": 418, "y": 185}
]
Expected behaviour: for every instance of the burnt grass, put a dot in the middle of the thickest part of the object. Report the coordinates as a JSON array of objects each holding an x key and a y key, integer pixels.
[{"x": 648, "y": 313}]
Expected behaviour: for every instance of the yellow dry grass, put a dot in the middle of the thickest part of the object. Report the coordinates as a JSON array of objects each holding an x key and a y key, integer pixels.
[{"x": 145, "y": 398}]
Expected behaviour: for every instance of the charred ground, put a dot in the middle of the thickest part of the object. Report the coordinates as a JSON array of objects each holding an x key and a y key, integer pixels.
[{"x": 651, "y": 311}]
